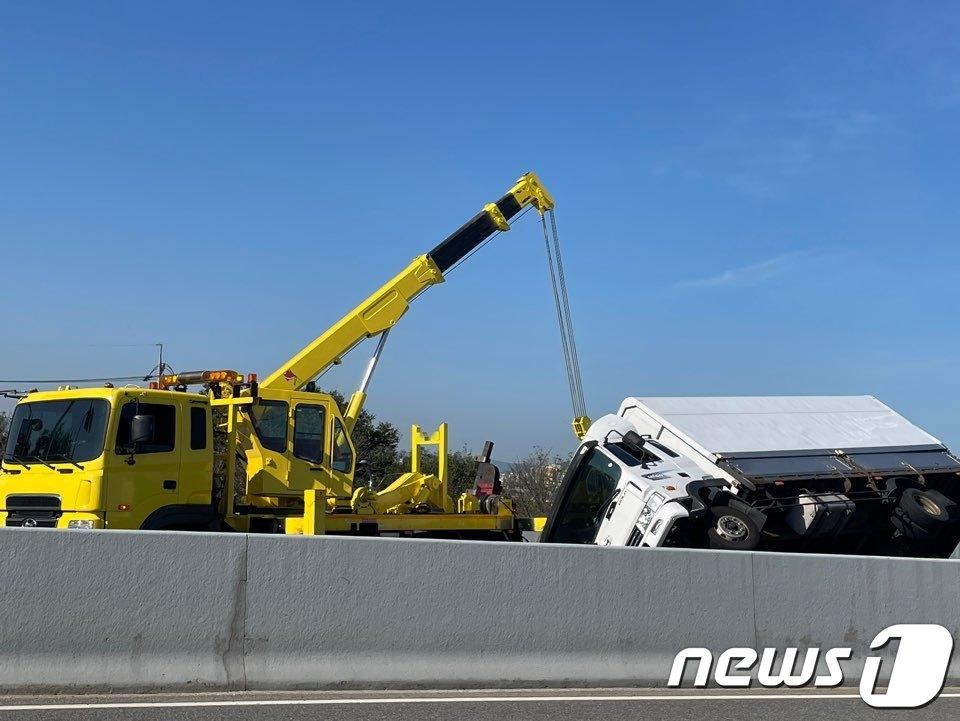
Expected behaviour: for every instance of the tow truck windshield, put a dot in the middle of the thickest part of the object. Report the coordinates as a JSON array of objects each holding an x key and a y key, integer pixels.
[{"x": 64, "y": 431}]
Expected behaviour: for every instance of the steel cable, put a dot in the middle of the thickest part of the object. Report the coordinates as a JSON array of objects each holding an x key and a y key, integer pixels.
[
  {"x": 560, "y": 319},
  {"x": 574, "y": 357}
]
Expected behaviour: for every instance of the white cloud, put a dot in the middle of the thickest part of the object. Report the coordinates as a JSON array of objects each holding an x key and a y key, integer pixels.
[{"x": 748, "y": 274}]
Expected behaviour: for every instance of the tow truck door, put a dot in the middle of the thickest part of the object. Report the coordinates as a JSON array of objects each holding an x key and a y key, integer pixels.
[
  {"x": 139, "y": 483},
  {"x": 316, "y": 457}
]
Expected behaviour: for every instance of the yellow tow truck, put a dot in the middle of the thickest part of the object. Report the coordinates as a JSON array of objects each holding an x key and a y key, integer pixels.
[{"x": 145, "y": 458}]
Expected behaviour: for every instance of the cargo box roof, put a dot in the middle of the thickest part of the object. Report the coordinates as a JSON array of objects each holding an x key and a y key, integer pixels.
[{"x": 733, "y": 425}]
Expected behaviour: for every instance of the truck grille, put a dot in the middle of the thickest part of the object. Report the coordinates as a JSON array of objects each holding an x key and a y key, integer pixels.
[{"x": 30, "y": 511}]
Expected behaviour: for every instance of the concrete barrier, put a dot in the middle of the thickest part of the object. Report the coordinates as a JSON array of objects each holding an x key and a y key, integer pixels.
[
  {"x": 152, "y": 611},
  {"x": 844, "y": 601},
  {"x": 378, "y": 611},
  {"x": 121, "y": 610}
]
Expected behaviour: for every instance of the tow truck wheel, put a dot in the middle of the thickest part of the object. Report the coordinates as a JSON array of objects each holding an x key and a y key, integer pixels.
[{"x": 732, "y": 530}]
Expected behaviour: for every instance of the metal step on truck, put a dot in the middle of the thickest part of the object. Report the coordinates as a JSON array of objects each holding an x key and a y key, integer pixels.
[{"x": 827, "y": 474}]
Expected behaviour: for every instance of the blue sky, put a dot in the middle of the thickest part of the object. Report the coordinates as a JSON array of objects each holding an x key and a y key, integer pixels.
[{"x": 754, "y": 198}]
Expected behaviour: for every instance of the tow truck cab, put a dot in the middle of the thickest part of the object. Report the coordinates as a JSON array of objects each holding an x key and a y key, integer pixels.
[
  {"x": 72, "y": 460},
  {"x": 142, "y": 458}
]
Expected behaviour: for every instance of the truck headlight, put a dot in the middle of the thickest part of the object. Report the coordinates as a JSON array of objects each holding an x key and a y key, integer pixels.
[
  {"x": 646, "y": 515},
  {"x": 85, "y": 523},
  {"x": 656, "y": 500},
  {"x": 653, "y": 505}
]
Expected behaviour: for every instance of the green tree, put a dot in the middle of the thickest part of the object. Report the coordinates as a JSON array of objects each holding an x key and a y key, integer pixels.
[
  {"x": 4, "y": 429},
  {"x": 532, "y": 481}
]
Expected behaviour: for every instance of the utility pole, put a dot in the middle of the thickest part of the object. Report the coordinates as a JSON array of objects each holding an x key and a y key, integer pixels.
[{"x": 159, "y": 367}]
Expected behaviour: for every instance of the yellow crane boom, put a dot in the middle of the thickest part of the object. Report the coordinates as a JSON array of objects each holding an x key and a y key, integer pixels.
[{"x": 380, "y": 312}]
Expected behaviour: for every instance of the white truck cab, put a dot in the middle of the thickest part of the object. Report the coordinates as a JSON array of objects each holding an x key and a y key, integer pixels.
[{"x": 818, "y": 473}]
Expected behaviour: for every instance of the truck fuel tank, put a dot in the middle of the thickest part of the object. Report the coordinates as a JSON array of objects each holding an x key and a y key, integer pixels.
[{"x": 821, "y": 514}]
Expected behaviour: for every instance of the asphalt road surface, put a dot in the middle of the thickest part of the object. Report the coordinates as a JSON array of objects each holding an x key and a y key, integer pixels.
[{"x": 515, "y": 705}]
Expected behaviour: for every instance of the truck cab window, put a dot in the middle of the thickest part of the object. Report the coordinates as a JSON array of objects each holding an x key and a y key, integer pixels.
[
  {"x": 198, "y": 429},
  {"x": 342, "y": 452},
  {"x": 270, "y": 424},
  {"x": 164, "y": 427},
  {"x": 308, "y": 422},
  {"x": 589, "y": 491}
]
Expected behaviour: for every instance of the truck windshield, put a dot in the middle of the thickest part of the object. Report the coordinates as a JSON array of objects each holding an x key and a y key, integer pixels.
[
  {"x": 57, "y": 431},
  {"x": 577, "y": 517}
]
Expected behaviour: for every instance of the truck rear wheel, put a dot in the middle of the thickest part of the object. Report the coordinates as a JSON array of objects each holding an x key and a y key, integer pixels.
[{"x": 732, "y": 529}]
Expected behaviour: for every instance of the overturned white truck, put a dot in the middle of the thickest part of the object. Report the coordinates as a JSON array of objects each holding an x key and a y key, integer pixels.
[{"x": 828, "y": 474}]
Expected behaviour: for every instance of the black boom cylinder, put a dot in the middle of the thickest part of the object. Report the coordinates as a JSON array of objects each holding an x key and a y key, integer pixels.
[{"x": 471, "y": 234}]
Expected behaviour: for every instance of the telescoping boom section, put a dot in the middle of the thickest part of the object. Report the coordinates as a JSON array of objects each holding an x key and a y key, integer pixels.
[
  {"x": 381, "y": 311},
  {"x": 272, "y": 455}
]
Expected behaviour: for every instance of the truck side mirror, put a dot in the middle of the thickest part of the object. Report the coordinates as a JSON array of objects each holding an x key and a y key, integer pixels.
[
  {"x": 633, "y": 441},
  {"x": 141, "y": 430}
]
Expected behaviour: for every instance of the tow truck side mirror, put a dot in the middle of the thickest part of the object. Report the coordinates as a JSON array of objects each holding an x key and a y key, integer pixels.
[{"x": 141, "y": 430}]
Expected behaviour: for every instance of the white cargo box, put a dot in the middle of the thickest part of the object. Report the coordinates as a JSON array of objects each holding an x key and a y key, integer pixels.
[{"x": 766, "y": 438}]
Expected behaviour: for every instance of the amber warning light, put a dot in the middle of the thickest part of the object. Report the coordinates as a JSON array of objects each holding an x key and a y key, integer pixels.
[{"x": 196, "y": 377}]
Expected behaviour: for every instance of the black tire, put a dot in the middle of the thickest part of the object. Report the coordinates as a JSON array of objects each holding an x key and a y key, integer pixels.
[
  {"x": 731, "y": 529},
  {"x": 910, "y": 531},
  {"x": 930, "y": 510}
]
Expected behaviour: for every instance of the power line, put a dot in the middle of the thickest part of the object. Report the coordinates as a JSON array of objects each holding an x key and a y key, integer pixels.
[
  {"x": 118, "y": 345},
  {"x": 79, "y": 380},
  {"x": 154, "y": 372},
  {"x": 50, "y": 344}
]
